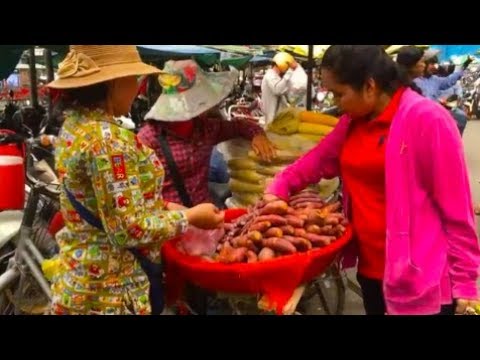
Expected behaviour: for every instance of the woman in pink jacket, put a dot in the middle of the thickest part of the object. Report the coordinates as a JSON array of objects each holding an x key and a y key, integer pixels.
[{"x": 406, "y": 187}]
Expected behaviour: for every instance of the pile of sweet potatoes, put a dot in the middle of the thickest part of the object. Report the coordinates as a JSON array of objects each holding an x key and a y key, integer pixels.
[{"x": 281, "y": 228}]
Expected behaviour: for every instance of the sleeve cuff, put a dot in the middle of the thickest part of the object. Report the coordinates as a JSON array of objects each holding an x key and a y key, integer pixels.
[{"x": 465, "y": 291}]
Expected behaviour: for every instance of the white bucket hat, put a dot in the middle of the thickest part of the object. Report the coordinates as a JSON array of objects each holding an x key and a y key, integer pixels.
[{"x": 188, "y": 91}]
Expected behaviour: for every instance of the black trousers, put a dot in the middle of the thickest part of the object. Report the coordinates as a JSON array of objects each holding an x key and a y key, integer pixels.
[{"x": 374, "y": 301}]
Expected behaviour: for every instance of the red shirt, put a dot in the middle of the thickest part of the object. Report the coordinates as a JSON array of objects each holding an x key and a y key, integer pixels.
[{"x": 362, "y": 163}]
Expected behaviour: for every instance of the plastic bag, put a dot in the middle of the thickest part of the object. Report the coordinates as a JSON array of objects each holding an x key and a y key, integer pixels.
[
  {"x": 298, "y": 87},
  {"x": 198, "y": 242},
  {"x": 236, "y": 148}
]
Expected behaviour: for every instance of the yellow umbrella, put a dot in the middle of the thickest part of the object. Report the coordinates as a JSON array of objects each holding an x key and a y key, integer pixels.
[{"x": 302, "y": 50}]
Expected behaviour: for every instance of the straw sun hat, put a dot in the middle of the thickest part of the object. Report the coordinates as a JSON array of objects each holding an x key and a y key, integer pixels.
[{"x": 92, "y": 64}]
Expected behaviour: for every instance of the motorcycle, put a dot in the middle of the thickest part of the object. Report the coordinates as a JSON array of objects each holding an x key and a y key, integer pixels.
[
  {"x": 454, "y": 105},
  {"x": 471, "y": 102}
]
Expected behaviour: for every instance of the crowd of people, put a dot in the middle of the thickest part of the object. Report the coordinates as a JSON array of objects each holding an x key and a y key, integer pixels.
[{"x": 396, "y": 148}]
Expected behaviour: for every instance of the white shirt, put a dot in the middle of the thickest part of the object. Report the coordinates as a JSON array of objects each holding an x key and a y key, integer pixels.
[{"x": 274, "y": 87}]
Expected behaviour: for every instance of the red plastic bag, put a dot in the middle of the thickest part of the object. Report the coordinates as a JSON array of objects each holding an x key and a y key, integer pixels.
[{"x": 198, "y": 242}]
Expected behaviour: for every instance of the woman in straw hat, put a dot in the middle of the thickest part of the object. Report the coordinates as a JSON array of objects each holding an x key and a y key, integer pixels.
[{"x": 111, "y": 196}]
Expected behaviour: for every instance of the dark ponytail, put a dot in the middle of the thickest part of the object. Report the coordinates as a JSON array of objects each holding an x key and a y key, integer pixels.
[
  {"x": 407, "y": 58},
  {"x": 355, "y": 64}
]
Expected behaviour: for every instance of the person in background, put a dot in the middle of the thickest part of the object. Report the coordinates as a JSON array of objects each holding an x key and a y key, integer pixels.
[
  {"x": 433, "y": 86},
  {"x": 276, "y": 85},
  {"x": 412, "y": 63}
]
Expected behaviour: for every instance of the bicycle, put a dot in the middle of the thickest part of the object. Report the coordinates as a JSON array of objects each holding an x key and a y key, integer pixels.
[{"x": 23, "y": 288}]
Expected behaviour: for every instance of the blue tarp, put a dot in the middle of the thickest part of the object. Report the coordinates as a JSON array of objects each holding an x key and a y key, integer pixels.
[
  {"x": 204, "y": 56},
  {"x": 260, "y": 59},
  {"x": 187, "y": 50},
  {"x": 447, "y": 51}
]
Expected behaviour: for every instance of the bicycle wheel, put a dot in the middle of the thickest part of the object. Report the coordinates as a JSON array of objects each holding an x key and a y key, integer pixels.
[
  {"x": 29, "y": 298},
  {"x": 6, "y": 304},
  {"x": 325, "y": 295}
]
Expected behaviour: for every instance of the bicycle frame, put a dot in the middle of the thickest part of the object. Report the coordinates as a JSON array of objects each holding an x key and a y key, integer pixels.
[{"x": 27, "y": 256}]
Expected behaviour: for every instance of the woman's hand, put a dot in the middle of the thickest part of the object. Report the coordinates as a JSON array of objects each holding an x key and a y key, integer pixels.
[
  {"x": 175, "y": 207},
  {"x": 268, "y": 198},
  {"x": 264, "y": 148},
  {"x": 464, "y": 306},
  {"x": 205, "y": 216}
]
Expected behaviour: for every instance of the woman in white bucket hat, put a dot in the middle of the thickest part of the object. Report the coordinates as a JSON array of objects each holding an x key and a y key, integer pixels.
[{"x": 186, "y": 117}]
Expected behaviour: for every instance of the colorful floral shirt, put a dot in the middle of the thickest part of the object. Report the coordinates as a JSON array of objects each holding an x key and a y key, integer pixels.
[{"x": 118, "y": 180}]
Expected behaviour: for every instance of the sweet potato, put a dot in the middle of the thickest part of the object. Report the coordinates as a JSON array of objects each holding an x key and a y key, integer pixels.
[
  {"x": 300, "y": 244},
  {"x": 278, "y": 207},
  {"x": 241, "y": 241},
  {"x": 300, "y": 233},
  {"x": 274, "y": 220},
  {"x": 266, "y": 254},
  {"x": 291, "y": 211},
  {"x": 228, "y": 227},
  {"x": 251, "y": 257},
  {"x": 238, "y": 255},
  {"x": 314, "y": 229},
  {"x": 331, "y": 208},
  {"x": 302, "y": 214},
  {"x": 304, "y": 194},
  {"x": 340, "y": 230},
  {"x": 327, "y": 230},
  {"x": 225, "y": 253},
  {"x": 331, "y": 220},
  {"x": 313, "y": 199},
  {"x": 274, "y": 232},
  {"x": 281, "y": 245},
  {"x": 310, "y": 205},
  {"x": 255, "y": 236},
  {"x": 261, "y": 226},
  {"x": 294, "y": 221},
  {"x": 316, "y": 217},
  {"x": 288, "y": 230},
  {"x": 320, "y": 240}
]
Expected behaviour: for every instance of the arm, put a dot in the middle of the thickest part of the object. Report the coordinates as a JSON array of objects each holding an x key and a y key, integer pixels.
[
  {"x": 320, "y": 162},
  {"x": 449, "y": 81},
  {"x": 279, "y": 85},
  {"x": 441, "y": 161},
  {"x": 223, "y": 130},
  {"x": 127, "y": 222}
]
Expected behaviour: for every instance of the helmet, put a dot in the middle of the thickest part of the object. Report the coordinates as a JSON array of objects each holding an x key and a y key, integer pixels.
[{"x": 283, "y": 60}]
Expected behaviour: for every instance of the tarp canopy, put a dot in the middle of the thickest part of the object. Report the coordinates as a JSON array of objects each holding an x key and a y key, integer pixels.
[
  {"x": 302, "y": 50},
  {"x": 239, "y": 49},
  {"x": 260, "y": 59},
  {"x": 239, "y": 62},
  {"x": 10, "y": 56},
  {"x": 203, "y": 55}
]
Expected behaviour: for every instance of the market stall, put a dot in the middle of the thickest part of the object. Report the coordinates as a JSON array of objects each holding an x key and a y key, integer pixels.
[{"x": 271, "y": 253}]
